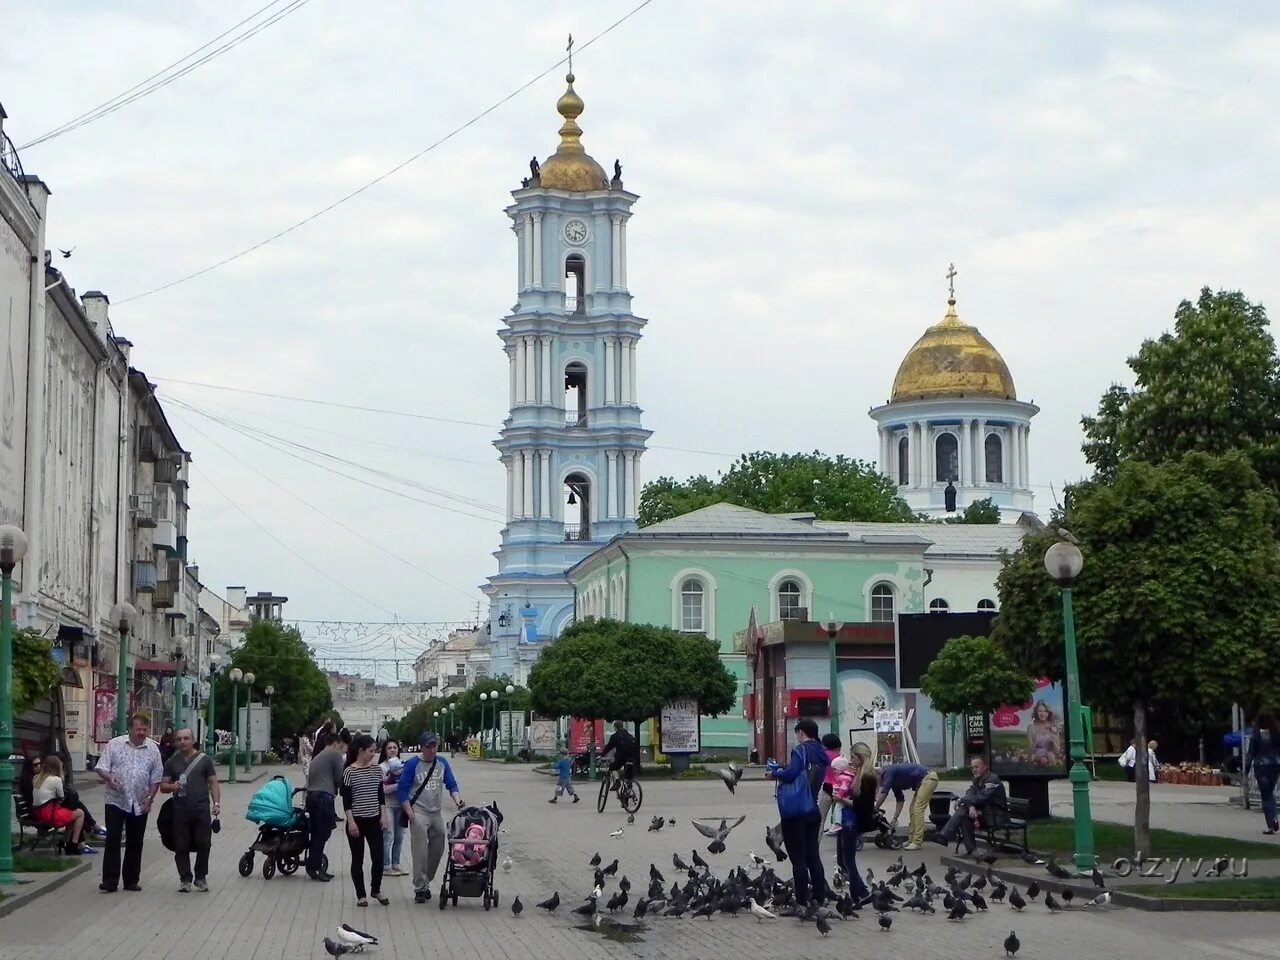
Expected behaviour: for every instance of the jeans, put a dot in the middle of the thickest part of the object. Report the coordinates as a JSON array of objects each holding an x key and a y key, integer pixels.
[
  {"x": 393, "y": 839},
  {"x": 961, "y": 823},
  {"x": 321, "y": 818},
  {"x": 847, "y": 854},
  {"x": 132, "y": 828},
  {"x": 1266, "y": 777},
  {"x": 192, "y": 831},
  {"x": 369, "y": 833},
  {"x": 800, "y": 837}
]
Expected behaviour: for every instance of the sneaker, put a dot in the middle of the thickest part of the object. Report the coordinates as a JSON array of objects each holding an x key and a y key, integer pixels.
[
  {"x": 552, "y": 800},
  {"x": 911, "y": 846},
  {"x": 83, "y": 850},
  {"x": 106, "y": 889},
  {"x": 833, "y": 830},
  {"x": 421, "y": 896},
  {"x": 133, "y": 888},
  {"x": 202, "y": 886},
  {"x": 940, "y": 840},
  {"x": 576, "y": 798},
  {"x": 99, "y": 831},
  {"x": 185, "y": 887}
]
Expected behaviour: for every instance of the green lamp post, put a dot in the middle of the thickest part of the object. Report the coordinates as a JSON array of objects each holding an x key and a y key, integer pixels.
[
  {"x": 511, "y": 727},
  {"x": 269, "y": 691},
  {"x": 210, "y": 726},
  {"x": 453, "y": 719},
  {"x": 13, "y": 547},
  {"x": 236, "y": 675},
  {"x": 435, "y": 716},
  {"x": 484, "y": 698},
  {"x": 123, "y": 616},
  {"x": 248, "y": 721},
  {"x": 1064, "y": 562},
  {"x": 833, "y": 631}
]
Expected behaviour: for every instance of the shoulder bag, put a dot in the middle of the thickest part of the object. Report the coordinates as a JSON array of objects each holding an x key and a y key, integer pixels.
[
  {"x": 796, "y": 799},
  {"x": 164, "y": 819},
  {"x": 404, "y": 817}
]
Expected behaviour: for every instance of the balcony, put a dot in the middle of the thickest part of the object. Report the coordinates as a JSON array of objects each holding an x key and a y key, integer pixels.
[
  {"x": 166, "y": 470},
  {"x": 575, "y": 419},
  {"x": 148, "y": 444},
  {"x": 144, "y": 576},
  {"x": 162, "y": 598},
  {"x": 142, "y": 509},
  {"x": 577, "y": 531},
  {"x": 575, "y": 306},
  {"x": 180, "y": 549}
]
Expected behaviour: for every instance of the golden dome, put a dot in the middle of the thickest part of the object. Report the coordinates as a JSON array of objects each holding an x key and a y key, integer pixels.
[
  {"x": 952, "y": 359},
  {"x": 570, "y": 167}
]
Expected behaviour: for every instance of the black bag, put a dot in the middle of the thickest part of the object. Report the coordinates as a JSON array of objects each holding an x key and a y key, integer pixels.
[
  {"x": 404, "y": 817},
  {"x": 164, "y": 823}
]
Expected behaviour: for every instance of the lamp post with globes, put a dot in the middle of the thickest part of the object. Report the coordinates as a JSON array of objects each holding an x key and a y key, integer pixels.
[
  {"x": 123, "y": 616},
  {"x": 484, "y": 698},
  {"x": 248, "y": 721},
  {"x": 1064, "y": 561},
  {"x": 453, "y": 719},
  {"x": 511, "y": 726},
  {"x": 435, "y": 716},
  {"x": 833, "y": 631},
  {"x": 13, "y": 546},
  {"x": 210, "y": 726},
  {"x": 236, "y": 675},
  {"x": 269, "y": 691}
]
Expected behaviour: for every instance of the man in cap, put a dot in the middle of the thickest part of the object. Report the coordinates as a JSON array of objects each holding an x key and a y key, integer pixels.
[{"x": 423, "y": 782}]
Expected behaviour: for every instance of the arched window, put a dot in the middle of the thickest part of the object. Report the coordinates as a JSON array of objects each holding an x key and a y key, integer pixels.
[
  {"x": 790, "y": 600},
  {"x": 987, "y": 605},
  {"x": 575, "y": 284},
  {"x": 904, "y": 462},
  {"x": 882, "y": 603},
  {"x": 939, "y": 606},
  {"x": 994, "y": 451},
  {"x": 692, "y": 606},
  {"x": 948, "y": 456}
]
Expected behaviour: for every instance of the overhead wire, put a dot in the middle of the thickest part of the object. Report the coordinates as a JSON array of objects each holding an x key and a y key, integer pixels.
[{"x": 391, "y": 172}]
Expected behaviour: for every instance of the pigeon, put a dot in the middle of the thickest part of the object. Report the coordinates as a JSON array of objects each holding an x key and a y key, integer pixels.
[
  {"x": 823, "y": 927},
  {"x": 335, "y": 949},
  {"x": 1011, "y": 944},
  {"x": 1032, "y": 859},
  {"x": 617, "y": 834},
  {"x": 759, "y": 912},
  {"x": 1101, "y": 900},
  {"x": 506, "y": 865},
  {"x": 588, "y": 909},
  {"x": 611, "y": 869},
  {"x": 678, "y": 863},
  {"x": 885, "y": 922},
  {"x": 656, "y": 824},
  {"x": 551, "y": 905},
  {"x": 1057, "y": 870},
  {"x": 1033, "y": 891},
  {"x": 356, "y": 938},
  {"x": 715, "y": 846},
  {"x": 958, "y": 912},
  {"x": 921, "y": 870},
  {"x": 516, "y": 906},
  {"x": 624, "y": 884},
  {"x": 1068, "y": 895},
  {"x": 1220, "y": 866},
  {"x": 998, "y": 892},
  {"x": 758, "y": 860},
  {"x": 1051, "y": 903},
  {"x": 706, "y": 911},
  {"x": 731, "y": 775},
  {"x": 1097, "y": 879},
  {"x": 718, "y": 833},
  {"x": 978, "y": 901},
  {"x": 66, "y": 254},
  {"x": 631, "y": 818},
  {"x": 1015, "y": 899},
  {"x": 989, "y": 858},
  {"x": 656, "y": 874},
  {"x": 699, "y": 862},
  {"x": 617, "y": 901},
  {"x": 642, "y": 907},
  {"x": 595, "y": 861}
]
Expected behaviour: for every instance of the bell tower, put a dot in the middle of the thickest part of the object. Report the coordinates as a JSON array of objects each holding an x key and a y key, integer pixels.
[{"x": 572, "y": 440}]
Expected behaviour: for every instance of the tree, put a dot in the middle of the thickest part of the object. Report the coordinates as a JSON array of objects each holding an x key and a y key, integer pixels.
[
  {"x": 276, "y": 655},
  {"x": 980, "y": 511},
  {"x": 1212, "y": 385},
  {"x": 605, "y": 669},
  {"x": 35, "y": 672},
  {"x": 832, "y": 488},
  {"x": 1177, "y": 605},
  {"x": 974, "y": 675}
]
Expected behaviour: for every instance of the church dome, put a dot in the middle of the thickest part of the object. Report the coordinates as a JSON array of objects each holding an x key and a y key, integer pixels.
[
  {"x": 571, "y": 167},
  {"x": 952, "y": 359}
]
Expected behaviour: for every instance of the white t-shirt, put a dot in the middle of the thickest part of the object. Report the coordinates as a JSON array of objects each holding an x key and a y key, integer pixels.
[
  {"x": 49, "y": 789},
  {"x": 1130, "y": 759}
]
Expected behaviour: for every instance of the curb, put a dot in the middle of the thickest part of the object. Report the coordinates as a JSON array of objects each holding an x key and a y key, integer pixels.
[
  {"x": 1087, "y": 891},
  {"x": 18, "y": 900}
]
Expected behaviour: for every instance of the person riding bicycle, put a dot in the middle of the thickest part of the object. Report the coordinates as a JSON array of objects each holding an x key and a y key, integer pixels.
[{"x": 626, "y": 753}]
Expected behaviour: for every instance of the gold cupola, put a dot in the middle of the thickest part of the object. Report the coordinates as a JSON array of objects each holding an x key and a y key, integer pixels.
[
  {"x": 571, "y": 167},
  {"x": 952, "y": 359}
]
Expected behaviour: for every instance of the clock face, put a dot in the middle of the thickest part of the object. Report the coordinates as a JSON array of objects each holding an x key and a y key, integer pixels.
[{"x": 575, "y": 231}]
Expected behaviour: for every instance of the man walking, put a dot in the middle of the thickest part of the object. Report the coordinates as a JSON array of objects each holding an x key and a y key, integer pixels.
[
  {"x": 131, "y": 770},
  {"x": 800, "y": 832},
  {"x": 324, "y": 781},
  {"x": 921, "y": 781},
  {"x": 986, "y": 792},
  {"x": 420, "y": 793},
  {"x": 192, "y": 779}
]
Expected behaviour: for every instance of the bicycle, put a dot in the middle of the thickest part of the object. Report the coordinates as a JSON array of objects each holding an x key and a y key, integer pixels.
[{"x": 629, "y": 793}]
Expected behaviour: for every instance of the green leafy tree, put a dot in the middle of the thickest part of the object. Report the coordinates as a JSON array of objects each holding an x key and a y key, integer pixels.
[
  {"x": 980, "y": 511},
  {"x": 832, "y": 488},
  {"x": 35, "y": 672},
  {"x": 1212, "y": 385},
  {"x": 1177, "y": 605},
  {"x": 276, "y": 655},
  {"x": 974, "y": 675},
  {"x": 605, "y": 669}
]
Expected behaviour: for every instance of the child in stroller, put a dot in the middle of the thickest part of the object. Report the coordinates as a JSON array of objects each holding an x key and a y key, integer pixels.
[{"x": 473, "y": 856}]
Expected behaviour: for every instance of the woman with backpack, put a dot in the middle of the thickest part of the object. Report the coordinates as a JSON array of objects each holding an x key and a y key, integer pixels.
[{"x": 800, "y": 783}]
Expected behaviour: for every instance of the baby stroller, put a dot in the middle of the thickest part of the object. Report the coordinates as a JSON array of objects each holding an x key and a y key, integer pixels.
[
  {"x": 283, "y": 832},
  {"x": 884, "y": 837},
  {"x": 471, "y": 856}
]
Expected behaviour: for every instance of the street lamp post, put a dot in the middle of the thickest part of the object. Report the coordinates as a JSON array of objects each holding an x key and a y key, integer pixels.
[
  {"x": 13, "y": 546},
  {"x": 123, "y": 616},
  {"x": 453, "y": 719},
  {"x": 270, "y": 692},
  {"x": 484, "y": 698},
  {"x": 210, "y": 726},
  {"x": 511, "y": 727},
  {"x": 436, "y": 718},
  {"x": 1064, "y": 562},
  {"x": 248, "y": 721},
  {"x": 833, "y": 631},
  {"x": 236, "y": 675}
]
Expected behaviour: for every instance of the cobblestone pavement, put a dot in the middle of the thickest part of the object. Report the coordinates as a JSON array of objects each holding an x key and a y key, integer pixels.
[{"x": 284, "y": 918}]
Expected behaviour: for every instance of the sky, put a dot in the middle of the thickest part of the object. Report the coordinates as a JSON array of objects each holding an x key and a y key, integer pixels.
[{"x": 806, "y": 173}]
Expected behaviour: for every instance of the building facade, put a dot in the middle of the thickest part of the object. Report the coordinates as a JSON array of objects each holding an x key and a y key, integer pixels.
[
  {"x": 451, "y": 665},
  {"x": 573, "y": 440}
]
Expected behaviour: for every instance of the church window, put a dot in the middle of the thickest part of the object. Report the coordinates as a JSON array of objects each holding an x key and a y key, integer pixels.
[
  {"x": 882, "y": 603},
  {"x": 995, "y": 458},
  {"x": 692, "y": 606},
  {"x": 575, "y": 394},
  {"x": 948, "y": 457},
  {"x": 904, "y": 462},
  {"x": 939, "y": 606},
  {"x": 790, "y": 600},
  {"x": 987, "y": 605},
  {"x": 575, "y": 276},
  {"x": 577, "y": 507}
]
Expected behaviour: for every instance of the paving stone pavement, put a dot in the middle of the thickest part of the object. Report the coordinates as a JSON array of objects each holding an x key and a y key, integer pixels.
[{"x": 286, "y": 917}]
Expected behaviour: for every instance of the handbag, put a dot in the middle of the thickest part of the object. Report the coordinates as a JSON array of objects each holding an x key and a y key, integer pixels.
[
  {"x": 164, "y": 819},
  {"x": 404, "y": 817},
  {"x": 795, "y": 799}
]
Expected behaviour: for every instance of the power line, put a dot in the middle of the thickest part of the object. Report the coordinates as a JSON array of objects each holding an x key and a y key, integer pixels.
[
  {"x": 394, "y": 170},
  {"x": 145, "y": 88}
]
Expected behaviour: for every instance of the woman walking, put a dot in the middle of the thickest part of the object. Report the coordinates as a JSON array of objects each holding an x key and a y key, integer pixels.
[
  {"x": 366, "y": 812},
  {"x": 393, "y": 834},
  {"x": 1264, "y": 757},
  {"x": 304, "y": 752}
]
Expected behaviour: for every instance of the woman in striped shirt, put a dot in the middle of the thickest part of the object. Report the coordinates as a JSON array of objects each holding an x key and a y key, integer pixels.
[{"x": 366, "y": 810}]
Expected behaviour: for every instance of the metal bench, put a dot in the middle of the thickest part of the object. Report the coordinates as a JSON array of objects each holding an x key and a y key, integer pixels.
[
  {"x": 1002, "y": 824},
  {"x": 41, "y": 832}
]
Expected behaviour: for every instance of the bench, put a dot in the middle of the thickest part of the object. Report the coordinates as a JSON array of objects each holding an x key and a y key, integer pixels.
[
  {"x": 42, "y": 831},
  {"x": 1002, "y": 824}
]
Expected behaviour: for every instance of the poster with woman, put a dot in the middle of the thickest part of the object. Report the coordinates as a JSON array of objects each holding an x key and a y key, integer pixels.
[{"x": 1030, "y": 738}]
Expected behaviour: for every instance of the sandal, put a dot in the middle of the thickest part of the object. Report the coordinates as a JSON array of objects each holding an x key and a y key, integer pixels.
[
  {"x": 385, "y": 901},
  {"x": 362, "y": 902}
]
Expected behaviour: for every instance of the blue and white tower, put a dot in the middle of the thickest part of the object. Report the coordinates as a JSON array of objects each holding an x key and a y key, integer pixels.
[{"x": 572, "y": 441}]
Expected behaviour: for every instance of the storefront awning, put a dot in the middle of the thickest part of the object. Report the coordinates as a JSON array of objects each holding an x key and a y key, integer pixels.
[{"x": 155, "y": 666}]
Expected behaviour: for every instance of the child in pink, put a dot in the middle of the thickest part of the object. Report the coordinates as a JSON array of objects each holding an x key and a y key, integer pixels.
[
  {"x": 826, "y": 804},
  {"x": 470, "y": 851}
]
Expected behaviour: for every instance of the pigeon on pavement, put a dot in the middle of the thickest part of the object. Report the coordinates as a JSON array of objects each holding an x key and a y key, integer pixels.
[
  {"x": 823, "y": 927},
  {"x": 516, "y": 906},
  {"x": 759, "y": 912},
  {"x": 551, "y": 904},
  {"x": 731, "y": 775},
  {"x": 356, "y": 938},
  {"x": 1011, "y": 944},
  {"x": 335, "y": 949},
  {"x": 1101, "y": 900}
]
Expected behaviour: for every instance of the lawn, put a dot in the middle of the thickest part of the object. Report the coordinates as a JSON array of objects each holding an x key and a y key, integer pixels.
[
  {"x": 1112, "y": 840},
  {"x": 34, "y": 863},
  {"x": 1254, "y": 888}
]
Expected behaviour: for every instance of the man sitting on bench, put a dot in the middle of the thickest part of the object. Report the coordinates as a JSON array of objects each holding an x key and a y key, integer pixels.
[{"x": 984, "y": 794}]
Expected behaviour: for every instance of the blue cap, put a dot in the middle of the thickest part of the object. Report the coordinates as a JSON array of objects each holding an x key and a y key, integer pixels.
[{"x": 428, "y": 737}]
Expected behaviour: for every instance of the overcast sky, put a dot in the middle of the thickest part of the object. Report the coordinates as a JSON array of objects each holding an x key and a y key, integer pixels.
[{"x": 806, "y": 173}]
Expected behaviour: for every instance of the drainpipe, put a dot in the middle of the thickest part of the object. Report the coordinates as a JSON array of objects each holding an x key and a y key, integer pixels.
[
  {"x": 626, "y": 593},
  {"x": 574, "y": 616}
]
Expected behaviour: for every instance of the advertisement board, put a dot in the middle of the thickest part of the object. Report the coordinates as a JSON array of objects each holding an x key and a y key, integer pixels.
[
  {"x": 542, "y": 736},
  {"x": 1030, "y": 738},
  {"x": 681, "y": 728}
]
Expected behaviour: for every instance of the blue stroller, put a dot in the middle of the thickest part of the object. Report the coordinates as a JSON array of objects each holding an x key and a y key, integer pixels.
[{"x": 283, "y": 831}]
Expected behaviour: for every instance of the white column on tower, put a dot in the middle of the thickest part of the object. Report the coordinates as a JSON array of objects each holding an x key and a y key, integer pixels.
[
  {"x": 635, "y": 391},
  {"x": 635, "y": 482},
  {"x": 631, "y": 482},
  {"x": 511, "y": 370},
  {"x": 545, "y": 456},
  {"x": 526, "y": 249},
  {"x": 511, "y": 488},
  {"x": 530, "y": 381},
  {"x": 517, "y": 484},
  {"x": 1026, "y": 456},
  {"x": 625, "y": 345},
  {"x": 611, "y": 472},
  {"x": 1015, "y": 456},
  {"x": 615, "y": 279},
  {"x": 913, "y": 461},
  {"x": 527, "y": 497},
  {"x": 622, "y": 243},
  {"x": 548, "y": 393},
  {"x": 537, "y": 248},
  {"x": 521, "y": 385},
  {"x": 966, "y": 452},
  {"x": 981, "y": 440},
  {"x": 609, "y": 377}
]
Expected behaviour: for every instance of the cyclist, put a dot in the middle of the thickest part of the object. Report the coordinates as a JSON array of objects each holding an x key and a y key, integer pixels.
[{"x": 626, "y": 753}]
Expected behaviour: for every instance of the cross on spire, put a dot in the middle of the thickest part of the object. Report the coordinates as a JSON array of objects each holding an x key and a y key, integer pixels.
[
  {"x": 951, "y": 281},
  {"x": 570, "y": 49}
]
